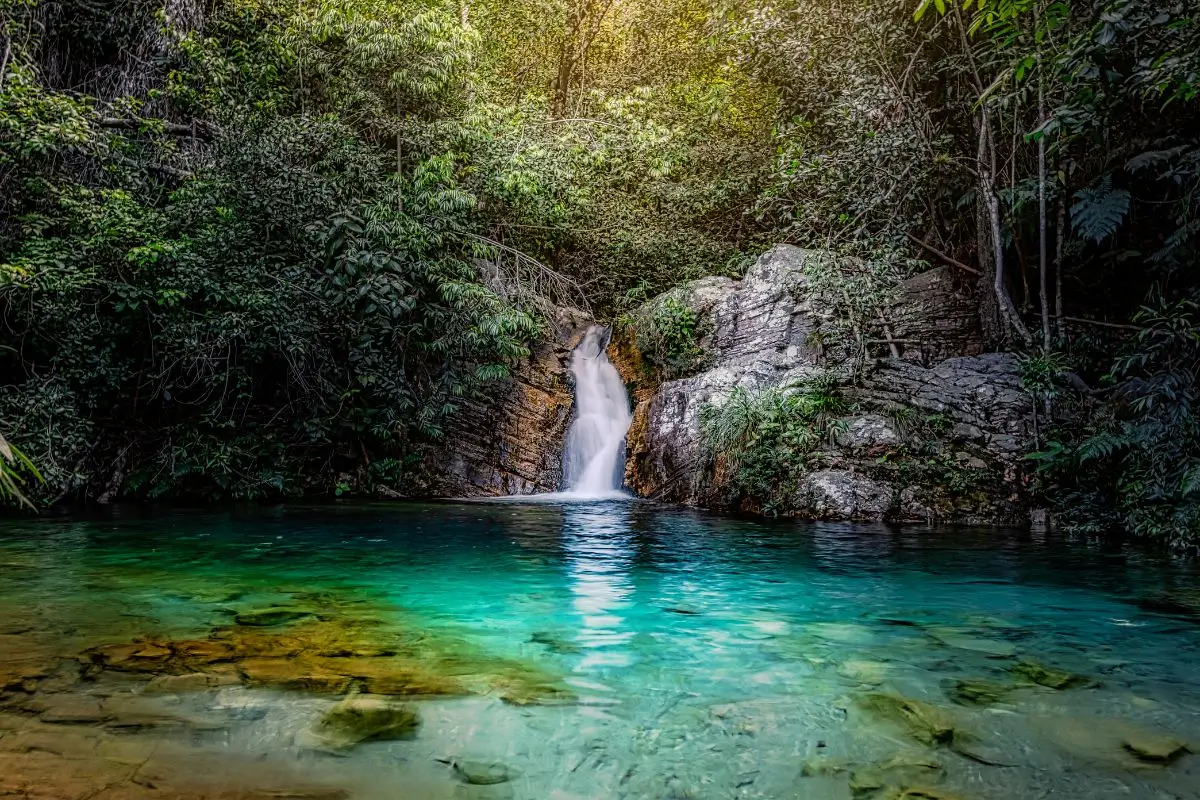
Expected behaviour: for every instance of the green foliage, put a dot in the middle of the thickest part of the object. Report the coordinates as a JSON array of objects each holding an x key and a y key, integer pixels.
[
  {"x": 1099, "y": 211},
  {"x": 1136, "y": 465},
  {"x": 669, "y": 336},
  {"x": 261, "y": 247},
  {"x": 287, "y": 309},
  {"x": 759, "y": 440},
  {"x": 15, "y": 469},
  {"x": 1041, "y": 372}
]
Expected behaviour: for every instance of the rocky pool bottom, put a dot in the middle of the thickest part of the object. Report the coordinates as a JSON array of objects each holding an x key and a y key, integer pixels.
[{"x": 603, "y": 650}]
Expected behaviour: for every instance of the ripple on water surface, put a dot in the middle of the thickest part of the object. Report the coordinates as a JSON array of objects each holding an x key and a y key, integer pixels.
[{"x": 585, "y": 650}]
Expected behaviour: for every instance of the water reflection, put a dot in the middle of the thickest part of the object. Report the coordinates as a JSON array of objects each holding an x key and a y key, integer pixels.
[{"x": 599, "y": 552}]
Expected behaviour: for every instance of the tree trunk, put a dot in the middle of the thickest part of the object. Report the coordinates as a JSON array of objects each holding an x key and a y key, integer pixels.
[
  {"x": 1044, "y": 290},
  {"x": 985, "y": 159}
]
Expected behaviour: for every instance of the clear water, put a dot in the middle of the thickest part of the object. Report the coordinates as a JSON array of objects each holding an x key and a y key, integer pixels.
[{"x": 704, "y": 657}]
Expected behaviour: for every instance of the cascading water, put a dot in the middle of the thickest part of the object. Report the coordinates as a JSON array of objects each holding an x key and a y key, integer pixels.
[{"x": 594, "y": 458}]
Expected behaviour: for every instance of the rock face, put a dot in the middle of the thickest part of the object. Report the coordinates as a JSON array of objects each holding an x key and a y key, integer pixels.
[
  {"x": 511, "y": 441},
  {"x": 935, "y": 433},
  {"x": 936, "y": 318}
]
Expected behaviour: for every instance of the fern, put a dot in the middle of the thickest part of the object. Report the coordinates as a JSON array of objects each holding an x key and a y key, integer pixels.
[
  {"x": 1101, "y": 445},
  {"x": 1099, "y": 211}
]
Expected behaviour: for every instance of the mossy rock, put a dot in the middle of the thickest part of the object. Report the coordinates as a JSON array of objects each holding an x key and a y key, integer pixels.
[
  {"x": 925, "y": 723},
  {"x": 1155, "y": 748},
  {"x": 1049, "y": 677},
  {"x": 361, "y": 719},
  {"x": 977, "y": 692},
  {"x": 269, "y": 617},
  {"x": 901, "y": 770}
]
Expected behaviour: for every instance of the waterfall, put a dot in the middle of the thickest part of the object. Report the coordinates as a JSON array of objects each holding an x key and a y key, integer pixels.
[{"x": 594, "y": 457}]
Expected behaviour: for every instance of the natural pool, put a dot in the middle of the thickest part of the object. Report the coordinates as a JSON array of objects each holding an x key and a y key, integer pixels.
[{"x": 591, "y": 650}]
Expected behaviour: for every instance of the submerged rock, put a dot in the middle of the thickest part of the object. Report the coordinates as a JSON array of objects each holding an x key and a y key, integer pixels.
[
  {"x": 481, "y": 773},
  {"x": 359, "y": 719},
  {"x": 993, "y": 648},
  {"x": 842, "y": 632},
  {"x": 871, "y": 672},
  {"x": 902, "y": 769},
  {"x": 919, "y": 793},
  {"x": 977, "y": 692},
  {"x": 297, "y": 674},
  {"x": 923, "y": 722},
  {"x": 269, "y": 617},
  {"x": 554, "y": 643},
  {"x": 192, "y": 682},
  {"x": 1153, "y": 747},
  {"x": 1049, "y": 677},
  {"x": 470, "y": 791}
]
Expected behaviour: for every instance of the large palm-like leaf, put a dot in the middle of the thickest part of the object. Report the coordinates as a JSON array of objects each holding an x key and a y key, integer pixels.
[{"x": 14, "y": 466}]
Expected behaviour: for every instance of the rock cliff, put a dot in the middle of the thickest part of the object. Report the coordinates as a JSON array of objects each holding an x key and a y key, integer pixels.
[
  {"x": 511, "y": 441},
  {"x": 933, "y": 429}
]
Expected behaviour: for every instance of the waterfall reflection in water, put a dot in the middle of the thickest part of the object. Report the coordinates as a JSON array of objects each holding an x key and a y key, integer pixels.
[{"x": 599, "y": 549}]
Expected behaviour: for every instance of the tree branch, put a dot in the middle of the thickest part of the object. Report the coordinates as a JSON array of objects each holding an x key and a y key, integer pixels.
[
  {"x": 197, "y": 130},
  {"x": 944, "y": 257}
]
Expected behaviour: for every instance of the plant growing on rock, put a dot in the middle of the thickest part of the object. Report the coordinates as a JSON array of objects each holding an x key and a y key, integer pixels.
[
  {"x": 760, "y": 440},
  {"x": 668, "y": 333}
]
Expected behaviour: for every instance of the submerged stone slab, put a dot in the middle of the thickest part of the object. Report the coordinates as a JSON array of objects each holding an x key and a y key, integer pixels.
[
  {"x": 1153, "y": 747},
  {"x": 360, "y": 719},
  {"x": 1049, "y": 677},
  {"x": 923, "y": 722},
  {"x": 270, "y": 617},
  {"x": 482, "y": 773}
]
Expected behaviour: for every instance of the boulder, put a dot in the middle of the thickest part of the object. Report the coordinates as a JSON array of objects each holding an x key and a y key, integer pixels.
[
  {"x": 770, "y": 329},
  {"x": 839, "y": 494},
  {"x": 868, "y": 431}
]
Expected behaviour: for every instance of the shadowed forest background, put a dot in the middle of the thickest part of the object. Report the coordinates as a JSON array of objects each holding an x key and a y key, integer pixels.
[{"x": 249, "y": 245}]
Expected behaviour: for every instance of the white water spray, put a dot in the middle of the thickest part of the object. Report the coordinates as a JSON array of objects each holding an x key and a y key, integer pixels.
[{"x": 594, "y": 458}]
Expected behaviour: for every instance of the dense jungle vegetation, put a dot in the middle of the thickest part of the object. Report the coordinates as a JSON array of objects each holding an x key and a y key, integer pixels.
[{"x": 249, "y": 245}]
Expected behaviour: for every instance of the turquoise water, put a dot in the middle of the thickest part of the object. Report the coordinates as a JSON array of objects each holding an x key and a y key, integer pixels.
[{"x": 700, "y": 656}]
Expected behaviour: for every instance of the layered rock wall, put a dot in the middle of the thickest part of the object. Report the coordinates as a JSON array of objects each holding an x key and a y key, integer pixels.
[{"x": 511, "y": 441}]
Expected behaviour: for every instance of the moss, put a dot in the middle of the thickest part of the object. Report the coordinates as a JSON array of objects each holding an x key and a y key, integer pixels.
[
  {"x": 1049, "y": 677},
  {"x": 923, "y": 722}
]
